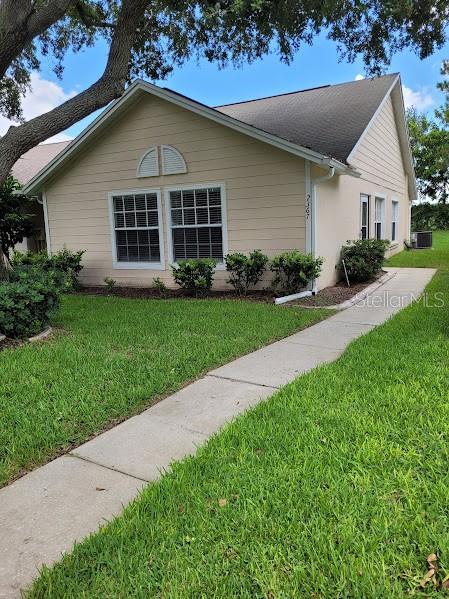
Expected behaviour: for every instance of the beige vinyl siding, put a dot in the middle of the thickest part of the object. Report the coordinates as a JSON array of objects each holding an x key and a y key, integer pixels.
[
  {"x": 379, "y": 160},
  {"x": 379, "y": 156},
  {"x": 264, "y": 187}
]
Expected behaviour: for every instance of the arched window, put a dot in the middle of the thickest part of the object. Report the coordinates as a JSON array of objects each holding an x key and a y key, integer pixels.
[
  {"x": 172, "y": 161},
  {"x": 149, "y": 164}
]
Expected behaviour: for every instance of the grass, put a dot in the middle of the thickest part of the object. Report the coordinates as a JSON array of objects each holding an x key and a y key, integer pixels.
[
  {"x": 338, "y": 486},
  {"x": 436, "y": 257},
  {"x": 114, "y": 357}
]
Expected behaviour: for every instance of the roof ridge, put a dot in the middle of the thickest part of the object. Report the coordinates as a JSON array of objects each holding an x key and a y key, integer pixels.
[{"x": 299, "y": 91}]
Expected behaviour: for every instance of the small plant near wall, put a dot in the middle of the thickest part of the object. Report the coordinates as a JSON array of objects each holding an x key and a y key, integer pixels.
[
  {"x": 110, "y": 284},
  {"x": 65, "y": 262},
  {"x": 363, "y": 258},
  {"x": 293, "y": 271},
  {"x": 245, "y": 271},
  {"x": 160, "y": 287},
  {"x": 195, "y": 276}
]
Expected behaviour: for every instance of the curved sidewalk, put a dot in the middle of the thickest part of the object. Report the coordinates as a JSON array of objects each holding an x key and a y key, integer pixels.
[{"x": 46, "y": 511}]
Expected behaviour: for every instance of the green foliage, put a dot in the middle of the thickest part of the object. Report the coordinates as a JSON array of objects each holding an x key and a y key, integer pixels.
[
  {"x": 65, "y": 261},
  {"x": 294, "y": 270},
  {"x": 245, "y": 270},
  {"x": 430, "y": 217},
  {"x": 15, "y": 222},
  {"x": 159, "y": 286},
  {"x": 110, "y": 284},
  {"x": 442, "y": 113},
  {"x": 195, "y": 276},
  {"x": 363, "y": 258},
  {"x": 173, "y": 31},
  {"x": 430, "y": 147},
  {"x": 27, "y": 302}
]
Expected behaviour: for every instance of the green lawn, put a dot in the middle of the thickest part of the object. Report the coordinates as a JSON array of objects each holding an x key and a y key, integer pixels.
[
  {"x": 436, "y": 257},
  {"x": 112, "y": 359},
  {"x": 338, "y": 486}
]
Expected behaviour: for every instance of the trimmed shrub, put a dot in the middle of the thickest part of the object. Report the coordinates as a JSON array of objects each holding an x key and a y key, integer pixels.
[
  {"x": 110, "y": 284},
  {"x": 195, "y": 276},
  {"x": 293, "y": 271},
  {"x": 245, "y": 270},
  {"x": 363, "y": 258},
  {"x": 160, "y": 287},
  {"x": 65, "y": 261},
  {"x": 27, "y": 303}
]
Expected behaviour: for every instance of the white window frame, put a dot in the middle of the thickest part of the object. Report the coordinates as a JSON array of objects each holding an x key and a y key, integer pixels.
[
  {"x": 365, "y": 199},
  {"x": 395, "y": 202},
  {"x": 137, "y": 265},
  {"x": 224, "y": 223},
  {"x": 382, "y": 197}
]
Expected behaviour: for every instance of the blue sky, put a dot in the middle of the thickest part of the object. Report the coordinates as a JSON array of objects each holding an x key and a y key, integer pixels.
[{"x": 313, "y": 66}]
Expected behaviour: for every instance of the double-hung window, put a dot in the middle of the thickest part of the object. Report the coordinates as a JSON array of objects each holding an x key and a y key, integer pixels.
[
  {"x": 379, "y": 211},
  {"x": 394, "y": 220},
  {"x": 196, "y": 215},
  {"x": 136, "y": 229},
  {"x": 364, "y": 216}
]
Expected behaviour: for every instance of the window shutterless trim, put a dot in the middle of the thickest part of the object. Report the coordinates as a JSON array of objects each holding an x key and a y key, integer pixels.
[
  {"x": 394, "y": 202},
  {"x": 160, "y": 265},
  {"x": 223, "y": 224},
  {"x": 382, "y": 198},
  {"x": 365, "y": 199}
]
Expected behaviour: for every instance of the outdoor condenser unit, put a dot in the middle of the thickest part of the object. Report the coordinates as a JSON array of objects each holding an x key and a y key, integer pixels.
[{"x": 422, "y": 239}]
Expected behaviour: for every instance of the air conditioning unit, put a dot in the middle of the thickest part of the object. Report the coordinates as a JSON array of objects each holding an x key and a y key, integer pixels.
[{"x": 422, "y": 239}]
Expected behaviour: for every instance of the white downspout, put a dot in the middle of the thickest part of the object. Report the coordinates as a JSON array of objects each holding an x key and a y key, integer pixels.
[
  {"x": 43, "y": 201},
  {"x": 313, "y": 227}
]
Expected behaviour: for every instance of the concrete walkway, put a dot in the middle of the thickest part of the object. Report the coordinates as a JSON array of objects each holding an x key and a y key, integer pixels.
[{"x": 46, "y": 511}]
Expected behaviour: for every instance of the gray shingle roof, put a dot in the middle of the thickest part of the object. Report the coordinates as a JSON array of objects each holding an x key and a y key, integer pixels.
[
  {"x": 329, "y": 119},
  {"x": 35, "y": 159}
]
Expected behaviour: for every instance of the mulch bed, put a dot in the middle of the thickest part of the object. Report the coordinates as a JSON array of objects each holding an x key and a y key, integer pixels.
[
  {"x": 11, "y": 343},
  {"x": 330, "y": 296},
  {"x": 149, "y": 293}
]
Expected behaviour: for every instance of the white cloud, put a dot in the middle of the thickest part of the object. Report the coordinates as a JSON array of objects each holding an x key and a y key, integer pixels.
[
  {"x": 43, "y": 96},
  {"x": 359, "y": 77},
  {"x": 420, "y": 99}
]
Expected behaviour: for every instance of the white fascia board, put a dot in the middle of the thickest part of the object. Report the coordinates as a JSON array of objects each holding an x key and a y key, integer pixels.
[
  {"x": 35, "y": 182},
  {"x": 214, "y": 115},
  {"x": 405, "y": 139},
  {"x": 372, "y": 119},
  {"x": 403, "y": 133}
]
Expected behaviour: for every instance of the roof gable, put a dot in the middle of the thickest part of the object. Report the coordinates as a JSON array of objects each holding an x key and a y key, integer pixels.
[
  {"x": 322, "y": 125},
  {"x": 329, "y": 119}
]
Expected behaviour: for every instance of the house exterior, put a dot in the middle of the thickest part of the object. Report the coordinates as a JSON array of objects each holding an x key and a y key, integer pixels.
[
  {"x": 158, "y": 177},
  {"x": 25, "y": 169}
]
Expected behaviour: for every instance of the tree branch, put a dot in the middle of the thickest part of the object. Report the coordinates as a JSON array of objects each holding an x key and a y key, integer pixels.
[
  {"x": 89, "y": 19},
  {"x": 20, "y": 139},
  {"x": 20, "y": 23}
]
